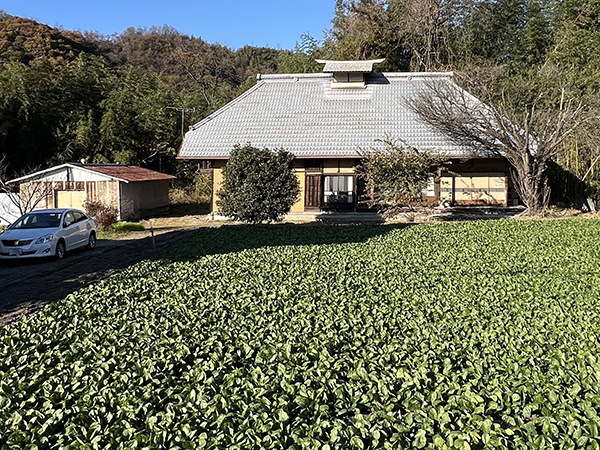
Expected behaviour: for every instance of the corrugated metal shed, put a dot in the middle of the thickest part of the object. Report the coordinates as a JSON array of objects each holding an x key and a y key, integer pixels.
[
  {"x": 119, "y": 172},
  {"x": 133, "y": 191},
  {"x": 305, "y": 115},
  {"x": 127, "y": 173}
]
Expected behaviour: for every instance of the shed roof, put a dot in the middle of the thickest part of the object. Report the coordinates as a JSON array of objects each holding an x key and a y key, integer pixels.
[
  {"x": 119, "y": 172},
  {"x": 305, "y": 115},
  {"x": 127, "y": 173}
]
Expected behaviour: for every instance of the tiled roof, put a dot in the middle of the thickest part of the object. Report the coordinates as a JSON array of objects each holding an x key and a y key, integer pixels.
[
  {"x": 305, "y": 115},
  {"x": 126, "y": 172}
]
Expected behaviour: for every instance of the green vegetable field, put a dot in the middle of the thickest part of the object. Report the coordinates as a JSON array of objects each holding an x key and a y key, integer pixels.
[{"x": 454, "y": 335}]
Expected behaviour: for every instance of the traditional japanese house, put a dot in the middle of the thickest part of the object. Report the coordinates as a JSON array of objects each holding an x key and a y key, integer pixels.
[{"x": 325, "y": 119}]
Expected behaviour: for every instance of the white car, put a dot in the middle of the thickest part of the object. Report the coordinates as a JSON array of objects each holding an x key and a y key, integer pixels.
[{"x": 48, "y": 232}]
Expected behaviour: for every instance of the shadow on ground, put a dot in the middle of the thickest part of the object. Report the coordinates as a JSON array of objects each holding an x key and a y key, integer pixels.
[
  {"x": 477, "y": 213},
  {"x": 28, "y": 285},
  {"x": 235, "y": 238},
  {"x": 187, "y": 209}
]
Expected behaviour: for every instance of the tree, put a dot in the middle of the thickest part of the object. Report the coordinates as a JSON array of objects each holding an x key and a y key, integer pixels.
[
  {"x": 412, "y": 35},
  {"x": 136, "y": 124},
  {"x": 428, "y": 25},
  {"x": 258, "y": 185},
  {"x": 396, "y": 175},
  {"x": 26, "y": 119},
  {"x": 31, "y": 193},
  {"x": 302, "y": 59},
  {"x": 82, "y": 86},
  {"x": 492, "y": 30},
  {"x": 536, "y": 36},
  {"x": 369, "y": 29},
  {"x": 528, "y": 128}
]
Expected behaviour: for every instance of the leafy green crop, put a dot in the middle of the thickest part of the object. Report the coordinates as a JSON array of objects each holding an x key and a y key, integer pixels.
[{"x": 462, "y": 336}]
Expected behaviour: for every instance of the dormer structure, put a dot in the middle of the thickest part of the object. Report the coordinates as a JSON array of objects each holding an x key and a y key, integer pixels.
[{"x": 349, "y": 74}]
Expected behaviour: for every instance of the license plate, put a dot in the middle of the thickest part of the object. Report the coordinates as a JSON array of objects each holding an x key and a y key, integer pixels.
[{"x": 15, "y": 251}]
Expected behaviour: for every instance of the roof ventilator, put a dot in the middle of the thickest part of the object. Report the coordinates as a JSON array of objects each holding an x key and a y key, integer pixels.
[{"x": 349, "y": 74}]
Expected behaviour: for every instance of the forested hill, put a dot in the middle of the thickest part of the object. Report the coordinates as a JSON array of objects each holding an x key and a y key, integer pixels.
[
  {"x": 65, "y": 95},
  {"x": 24, "y": 41}
]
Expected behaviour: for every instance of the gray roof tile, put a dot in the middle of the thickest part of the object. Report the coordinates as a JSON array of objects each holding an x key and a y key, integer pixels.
[{"x": 304, "y": 115}]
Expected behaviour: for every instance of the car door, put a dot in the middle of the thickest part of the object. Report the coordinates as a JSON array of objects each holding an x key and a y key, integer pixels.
[
  {"x": 82, "y": 232},
  {"x": 70, "y": 230}
]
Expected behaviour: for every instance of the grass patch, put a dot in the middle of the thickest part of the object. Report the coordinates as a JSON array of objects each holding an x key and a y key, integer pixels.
[
  {"x": 121, "y": 227},
  {"x": 455, "y": 335},
  {"x": 116, "y": 230}
]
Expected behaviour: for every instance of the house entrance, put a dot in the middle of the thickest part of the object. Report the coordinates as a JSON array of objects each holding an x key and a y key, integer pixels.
[{"x": 312, "y": 199}]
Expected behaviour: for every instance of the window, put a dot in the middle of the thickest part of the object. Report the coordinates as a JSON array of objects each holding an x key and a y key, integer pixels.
[
  {"x": 339, "y": 189},
  {"x": 313, "y": 164},
  {"x": 429, "y": 190},
  {"x": 349, "y": 77},
  {"x": 69, "y": 219},
  {"x": 37, "y": 220},
  {"x": 348, "y": 80}
]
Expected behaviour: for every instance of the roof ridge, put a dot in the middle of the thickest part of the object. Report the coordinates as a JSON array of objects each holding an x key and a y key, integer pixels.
[
  {"x": 41, "y": 172},
  {"x": 275, "y": 76},
  {"x": 107, "y": 165},
  {"x": 418, "y": 74},
  {"x": 319, "y": 75}
]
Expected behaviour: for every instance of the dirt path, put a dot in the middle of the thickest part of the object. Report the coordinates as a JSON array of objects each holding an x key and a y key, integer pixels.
[{"x": 26, "y": 286}]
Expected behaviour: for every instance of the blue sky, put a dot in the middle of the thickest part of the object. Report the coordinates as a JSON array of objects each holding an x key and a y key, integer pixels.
[{"x": 235, "y": 23}]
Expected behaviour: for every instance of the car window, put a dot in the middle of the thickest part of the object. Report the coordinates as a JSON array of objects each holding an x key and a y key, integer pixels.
[
  {"x": 27, "y": 221},
  {"x": 79, "y": 216},
  {"x": 38, "y": 220},
  {"x": 69, "y": 219}
]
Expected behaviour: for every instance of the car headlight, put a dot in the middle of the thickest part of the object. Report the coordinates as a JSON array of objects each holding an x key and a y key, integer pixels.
[{"x": 44, "y": 239}]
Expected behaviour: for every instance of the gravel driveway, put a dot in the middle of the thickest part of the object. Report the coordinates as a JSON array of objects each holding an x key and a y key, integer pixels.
[{"x": 26, "y": 286}]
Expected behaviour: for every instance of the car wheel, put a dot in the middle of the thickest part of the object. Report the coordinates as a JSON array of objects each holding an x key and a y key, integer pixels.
[
  {"x": 92, "y": 241},
  {"x": 60, "y": 250}
]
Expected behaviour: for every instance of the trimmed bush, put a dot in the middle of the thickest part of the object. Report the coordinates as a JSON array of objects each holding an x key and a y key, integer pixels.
[{"x": 258, "y": 185}]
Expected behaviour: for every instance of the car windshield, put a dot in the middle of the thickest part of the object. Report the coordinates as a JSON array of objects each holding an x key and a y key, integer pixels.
[{"x": 38, "y": 220}]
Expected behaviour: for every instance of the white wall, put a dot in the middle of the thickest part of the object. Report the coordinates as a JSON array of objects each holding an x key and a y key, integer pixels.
[
  {"x": 70, "y": 174},
  {"x": 8, "y": 211}
]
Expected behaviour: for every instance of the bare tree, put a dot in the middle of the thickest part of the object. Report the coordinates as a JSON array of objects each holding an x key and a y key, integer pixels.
[
  {"x": 428, "y": 25},
  {"x": 25, "y": 199},
  {"x": 396, "y": 175},
  {"x": 529, "y": 135}
]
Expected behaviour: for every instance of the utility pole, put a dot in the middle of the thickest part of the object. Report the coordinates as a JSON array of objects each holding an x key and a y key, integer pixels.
[{"x": 183, "y": 111}]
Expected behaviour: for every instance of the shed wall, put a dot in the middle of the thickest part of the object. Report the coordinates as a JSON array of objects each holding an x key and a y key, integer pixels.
[{"x": 143, "y": 197}]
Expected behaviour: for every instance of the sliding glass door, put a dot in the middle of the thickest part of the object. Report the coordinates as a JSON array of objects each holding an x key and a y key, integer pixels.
[{"x": 338, "y": 191}]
